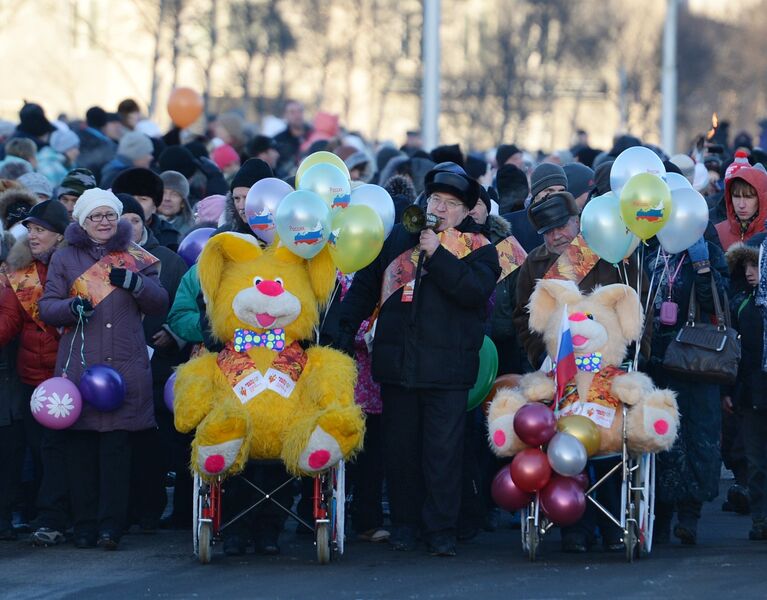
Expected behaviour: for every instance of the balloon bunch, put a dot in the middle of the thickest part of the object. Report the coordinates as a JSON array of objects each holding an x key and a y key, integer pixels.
[
  {"x": 644, "y": 201},
  {"x": 556, "y": 474},
  {"x": 322, "y": 210}
]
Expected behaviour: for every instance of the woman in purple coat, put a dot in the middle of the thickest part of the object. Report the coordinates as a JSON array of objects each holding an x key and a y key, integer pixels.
[{"x": 103, "y": 276}]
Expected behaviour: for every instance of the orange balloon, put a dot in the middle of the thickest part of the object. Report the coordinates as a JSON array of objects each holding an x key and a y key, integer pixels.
[{"x": 184, "y": 106}]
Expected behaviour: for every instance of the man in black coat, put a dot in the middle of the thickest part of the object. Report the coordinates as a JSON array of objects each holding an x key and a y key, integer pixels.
[{"x": 432, "y": 290}]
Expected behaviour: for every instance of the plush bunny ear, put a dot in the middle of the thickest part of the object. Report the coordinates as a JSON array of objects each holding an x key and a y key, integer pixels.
[
  {"x": 625, "y": 302},
  {"x": 218, "y": 251},
  {"x": 546, "y": 297},
  {"x": 321, "y": 270}
]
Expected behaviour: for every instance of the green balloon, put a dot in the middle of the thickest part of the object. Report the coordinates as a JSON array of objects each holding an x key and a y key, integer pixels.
[{"x": 488, "y": 370}]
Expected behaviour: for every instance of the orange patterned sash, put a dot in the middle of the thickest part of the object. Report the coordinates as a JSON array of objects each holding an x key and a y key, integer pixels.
[
  {"x": 600, "y": 406},
  {"x": 511, "y": 255},
  {"x": 574, "y": 263},
  {"x": 94, "y": 284},
  {"x": 401, "y": 271},
  {"x": 28, "y": 288}
]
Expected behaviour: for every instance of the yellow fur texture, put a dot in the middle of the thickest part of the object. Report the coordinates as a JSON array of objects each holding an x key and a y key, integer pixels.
[{"x": 319, "y": 423}]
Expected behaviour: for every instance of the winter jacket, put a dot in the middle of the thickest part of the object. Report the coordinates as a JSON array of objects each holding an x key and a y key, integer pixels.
[
  {"x": 523, "y": 230},
  {"x": 232, "y": 220},
  {"x": 184, "y": 316},
  {"x": 112, "y": 169},
  {"x": 96, "y": 150},
  {"x": 52, "y": 164},
  {"x": 113, "y": 335},
  {"x": 730, "y": 230},
  {"x": 12, "y": 398},
  {"x": 36, "y": 358},
  {"x": 432, "y": 342},
  {"x": 534, "y": 268},
  {"x": 164, "y": 232}
]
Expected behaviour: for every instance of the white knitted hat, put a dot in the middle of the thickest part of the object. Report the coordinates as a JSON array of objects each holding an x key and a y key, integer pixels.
[{"x": 91, "y": 199}]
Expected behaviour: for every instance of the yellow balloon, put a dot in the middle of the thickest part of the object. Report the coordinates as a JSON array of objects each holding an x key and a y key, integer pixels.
[
  {"x": 317, "y": 158},
  {"x": 582, "y": 428},
  {"x": 356, "y": 238},
  {"x": 645, "y": 205}
]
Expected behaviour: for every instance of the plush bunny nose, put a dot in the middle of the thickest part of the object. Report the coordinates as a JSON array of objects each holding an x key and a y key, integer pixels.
[
  {"x": 270, "y": 288},
  {"x": 578, "y": 316}
]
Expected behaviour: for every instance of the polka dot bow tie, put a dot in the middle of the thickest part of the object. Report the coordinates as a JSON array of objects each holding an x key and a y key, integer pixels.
[
  {"x": 245, "y": 339},
  {"x": 591, "y": 363}
]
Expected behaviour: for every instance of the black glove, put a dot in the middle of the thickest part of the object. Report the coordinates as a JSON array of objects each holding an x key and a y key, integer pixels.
[
  {"x": 125, "y": 279},
  {"x": 83, "y": 304}
]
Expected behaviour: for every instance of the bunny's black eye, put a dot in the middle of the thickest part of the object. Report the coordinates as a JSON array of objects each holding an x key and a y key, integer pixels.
[{"x": 590, "y": 316}]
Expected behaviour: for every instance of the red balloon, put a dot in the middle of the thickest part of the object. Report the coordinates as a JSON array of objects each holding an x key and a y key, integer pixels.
[
  {"x": 563, "y": 501},
  {"x": 535, "y": 424},
  {"x": 506, "y": 494},
  {"x": 531, "y": 470},
  {"x": 583, "y": 480}
]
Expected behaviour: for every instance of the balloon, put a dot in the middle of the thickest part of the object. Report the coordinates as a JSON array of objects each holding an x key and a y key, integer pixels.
[
  {"x": 260, "y": 204},
  {"x": 329, "y": 183},
  {"x": 677, "y": 181},
  {"x": 184, "y": 106},
  {"x": 102, "y": 387},
  {"x": 530, "y": 470},
  {"x": 167, "y": 391},
  {"x": 506, "y": 494},
  {"x": 633, "y": 161},
  {"x": 321, "y": 157},
  {"x": 356, "y": 237},
  {"x": 688, "y": 221},
  {"x": 583, "y": 480},
  {"x": 303, "y": 223},
  {"x": 635, "y": 241},
  {"x": 603, "y": 228},
  {"x": 563, "y": 501},
  {"x": 191, "y": 246},
  {"x": 488, "y": 369},
  {"x": 535, "y": 424},
  {"x": 566, "y": 454},
  {"x": 645, "y": 205},
  {"x": 56, "y": 403},
  {"x": 582, "y": 428},
  {"x": 379, "y": 200}
]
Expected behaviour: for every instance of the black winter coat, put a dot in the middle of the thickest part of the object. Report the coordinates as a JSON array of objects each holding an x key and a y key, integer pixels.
[
  {"x": 434, "y": 341},
  {"x": 164, "y": 233}
]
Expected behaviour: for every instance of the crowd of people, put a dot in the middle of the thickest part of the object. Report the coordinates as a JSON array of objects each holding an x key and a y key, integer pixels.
[{"x": 112, "y": 189}]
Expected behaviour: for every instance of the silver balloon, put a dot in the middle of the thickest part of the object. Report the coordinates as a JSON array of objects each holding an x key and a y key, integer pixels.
[
  {"x": 567, "y": 455},
  {"x": 687, "y": 223},
  {"x": 633, "y": 161},
  {"x": 603, "y": 228},
  {"x": 379, "y": 200},
  {"x": 261, "y": 203},
  {"x": 677, "y": 181}
]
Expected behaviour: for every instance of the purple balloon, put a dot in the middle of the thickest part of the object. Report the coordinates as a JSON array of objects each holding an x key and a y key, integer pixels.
[
  {"x": 167, "y": 391},
  {"x": 535, "y": 424},
  {"x": 261, "y": 203},
  {"x": 583, "y": 480},
  {"x": 193, "y": 243},
  {"x": 563, "y": 501},
  {"x": 56, "y": 403},
  {"x": 102, "y": 387},
  {"x": 506, "y": 494}
]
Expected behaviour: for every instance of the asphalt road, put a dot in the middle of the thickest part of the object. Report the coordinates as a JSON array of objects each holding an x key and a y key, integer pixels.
[{"x": 724, "y": 564}]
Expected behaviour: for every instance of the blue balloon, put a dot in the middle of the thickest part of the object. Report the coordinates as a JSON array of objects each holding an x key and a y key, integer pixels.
[
  {"x": 303, "y": 223},
  {"x": 102, "y": 387}
]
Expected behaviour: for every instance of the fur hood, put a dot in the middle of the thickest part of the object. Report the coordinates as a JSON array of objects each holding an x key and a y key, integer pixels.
[
  {"x": 737, "y": 257},
  {"x": 75, "y": 236},
  {"x": 232, "y": 217},
  {"x": 10, "y": 197},
  {"x": 20, "y": 256},
  {"x": 496, "y": 228}
]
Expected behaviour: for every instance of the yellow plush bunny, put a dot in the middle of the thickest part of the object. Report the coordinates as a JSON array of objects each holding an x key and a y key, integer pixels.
[
  {"x": 602, "y": 325},
  {"x": 267, "y": 394}
]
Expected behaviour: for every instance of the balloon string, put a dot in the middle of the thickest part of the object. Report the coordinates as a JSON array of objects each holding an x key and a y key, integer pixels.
[
  {"x": 638, "y": 344},
  {"x": 336, "y": 287},
  {"x": 80, "y": 325}
]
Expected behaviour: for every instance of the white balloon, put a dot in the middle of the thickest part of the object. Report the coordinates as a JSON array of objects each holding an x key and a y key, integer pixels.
[
  {"x": 377, "y": 198},
  {"x": 687, "y": 223},
  {"x": 677, "y": 181},
  {"x": 633, "y": 161}
]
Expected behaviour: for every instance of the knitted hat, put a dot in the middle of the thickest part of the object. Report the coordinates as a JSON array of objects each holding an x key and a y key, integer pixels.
[
  {"x": 139, "y": 182},
  {"x": 209, "y": 209},
  {"x": 176, "y": 182},
  {"x": 76, "y": 182},
  {"x": 224, "y": 156},
  {"x": 253, "y": 170},
  {"x": 63, "y": 140},
  {"x": 484, "y": 196},
  {"x": 91, "y": 200},
  {"x": 450, "y": 178},
  {"x": 545, "y": 175},
  {"x": 552, "y": 212},
  {"x": 134, "y": 145},
  {"x": 602, "y": 177},
  {"x": 259, "y": 144},
  {"x": 32, "y": 120},
  {"x": 448, "y": 153},
  {"x": 580, "y": 179},
  {"x": 50, "y": 214},
  {"x": 504, "y": 153},
  {"x": 37, "y": 184},
  {"x": 178, "y": 158},
  {"x": 131, "y": 205},
  {"x": 97, "y": 117}
]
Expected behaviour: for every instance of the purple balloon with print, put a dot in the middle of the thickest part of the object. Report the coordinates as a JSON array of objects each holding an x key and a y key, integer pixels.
[
  {"x": 167, "y": 392},
  {"x": 191, "y": 246},
  {"x": 56, "y": 403},
  {"x": 102, "y": 387},
  {"x": 261, "y": 203}
]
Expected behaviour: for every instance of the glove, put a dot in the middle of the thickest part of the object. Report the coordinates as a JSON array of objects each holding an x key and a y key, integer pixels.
[
  {"x": 81, "y": 304},
  {"x": 125, "y": 279},
  {"x": 698, "y": 254}
]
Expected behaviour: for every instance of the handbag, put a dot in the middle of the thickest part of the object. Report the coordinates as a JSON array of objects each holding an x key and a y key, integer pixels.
[{"x": 705, "y": 352}]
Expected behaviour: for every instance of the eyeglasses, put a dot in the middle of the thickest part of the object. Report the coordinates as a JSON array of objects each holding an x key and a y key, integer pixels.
[
  {"x": 101, "y": 217},
  {"x": 436, "y": 201}
]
